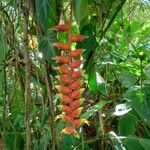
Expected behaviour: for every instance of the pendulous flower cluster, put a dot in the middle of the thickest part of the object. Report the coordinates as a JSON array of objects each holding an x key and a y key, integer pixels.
[{"x": 71, "y": 84}]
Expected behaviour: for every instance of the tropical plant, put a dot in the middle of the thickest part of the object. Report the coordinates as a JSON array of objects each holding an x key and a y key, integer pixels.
[{"x": 75, "y": 74}]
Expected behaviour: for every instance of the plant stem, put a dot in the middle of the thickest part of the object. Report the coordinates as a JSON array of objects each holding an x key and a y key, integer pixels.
[
  {"x": 25, "y": 10},
  {"x": 51, "y": 106}
]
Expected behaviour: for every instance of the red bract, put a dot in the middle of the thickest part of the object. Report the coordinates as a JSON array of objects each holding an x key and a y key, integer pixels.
[
  {"x": 77, "y": 38},
  {"x": 76, "y": 112},
  {"x": 68, "y": 130},
  {"x": 77, "y": 93},
  {"x": 61, "y": 27},
  {"x": 65, "y": 99},
  {"x": 76, "y": 84},
  {"x": 76, "y": 103},
  {"x": 78, "y": 122},
  {"x": 62, "y": 46},
  {"x": 63, "y": 89},
  {"x": 65, "y": 108},
  {"x": 76, "y": 53},
  {"x": 64, "y": 117},
  {"x": 75, "y": 64},
  {"x": 62, "y": 59},
  {"x": 63, "y": 70},
  {"x": 65, "y": 79},
  {"x": 67, "y": 118},
  {"x": 76, "y": 74}
]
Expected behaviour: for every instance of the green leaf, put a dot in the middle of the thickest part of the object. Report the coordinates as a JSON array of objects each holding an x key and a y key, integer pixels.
[
  {"x": 92, "y": 81},
  {"x": 118, "y": 55},
  {"x": 2, "y": 51},
  {"x": 127, "y": 124},
  {"x": 80, "y": 8},
  {"x": 140, "y": 100},
  {"x": 94, "y": 109},
  {"x": 46, "y": 13},
  {"x": 46, "y": 48},
  {"x": 145, "y": 143},
  {"x": 132, "y": 143},
  {"x": 147, "y": 70},
  {"x": 127, "y": 79},
  {"x": 17, "y": 104},
  {"x": 136, "y": 143}
]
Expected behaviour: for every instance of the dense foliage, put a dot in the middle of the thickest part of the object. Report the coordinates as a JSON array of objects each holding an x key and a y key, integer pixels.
[{"x": 116, "y": 74}]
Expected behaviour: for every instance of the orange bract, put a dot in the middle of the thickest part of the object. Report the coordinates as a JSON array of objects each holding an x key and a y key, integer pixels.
[
  {"x": 77, "y": 38},
  {"x": 75, "y": 64},
  {"x": 78, "y": 122},
  {"x": 61, "y": 27},
  {"x": 77, "y": 93},
  {"x": 63, "y": 70},
  {"x": 77, "y": 112},
  {"x": 63, "y": 89},
  {"x": 65, "y": 99},
  {"x": 77, "y": 103},
  {"x": 65, "y": 108},
  {"x": 65, "y": 79},
  {"x": 76, "y": 53},
  {"x": 62, "y": 59},
  {"x": 76, "y": 84},
  {"x": 62, "y": 46},
  {"x": 76, "y": 74}
]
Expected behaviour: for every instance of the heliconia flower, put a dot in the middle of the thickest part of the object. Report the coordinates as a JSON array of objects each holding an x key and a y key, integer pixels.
[
  {"x": 70, "y": 130},
  {"x": 76, "y": 53},
  {"x": 65, "y": 99},
  {"x": 77, "y": 38},
  {"x": 64, "y": 117},
  {"x": 77, "y": 93},
  {"x": 63, "y": 70},
  {"x": 64, "y": 78},
  {"x": 61, "y": 27},
  {"x": 76, "y": 84},
  {"x": 65, "y": 108},
  {"x": 78, "y": 122},
  {"x": 76, "y": 112},
  {"x": 63, "y": 89},
  {"x": 77, "y": 103},
  {"x": 75, "y": 64},
  {"x": 62, "y": 59},
  {"x": 61, "y": 46}
]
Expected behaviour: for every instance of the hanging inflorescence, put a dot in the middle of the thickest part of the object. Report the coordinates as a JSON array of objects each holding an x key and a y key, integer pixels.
[{"x": 71, "y": 84}]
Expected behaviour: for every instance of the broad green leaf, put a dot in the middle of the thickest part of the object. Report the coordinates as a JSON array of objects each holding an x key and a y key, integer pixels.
[
  {"x": 17, "y": 104},
  {"x": 81, "y": 12},
  {"x": 69, "y": 142},
  {"x": 46, "y": 13},
  {"x": 140, "y": 100},
  {"x": 46, "y": 48},
  {"x": 94, "y": 109},
  {"x": 127, "y": 124},
  {"x": 145, "y": 143},
  {"x": 127, "y": 79},
  {"x": 136, "y": 143},
  {"x": 132, "y": 144}
]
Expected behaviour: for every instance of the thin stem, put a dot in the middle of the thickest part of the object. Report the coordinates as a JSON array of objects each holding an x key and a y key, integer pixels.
[
  {"x": 25, "y": 11},
  {"x": 51, "y": 106}
]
